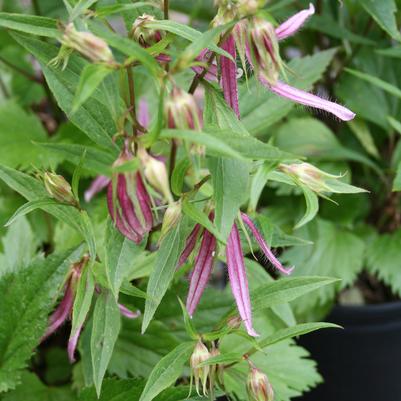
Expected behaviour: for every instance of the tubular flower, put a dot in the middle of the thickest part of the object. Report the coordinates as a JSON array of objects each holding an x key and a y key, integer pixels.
[
  {"x": 257, "y": 41},
  {"x": 203, "y": 266},
  {"x": 129, "y": 202}
]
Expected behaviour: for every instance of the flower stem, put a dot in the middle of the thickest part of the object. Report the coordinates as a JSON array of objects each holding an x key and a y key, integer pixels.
[
  {"x": 131, "y": 88},
  {"x": 198, "y": 77},
  {"x": 21, "y": 71}
]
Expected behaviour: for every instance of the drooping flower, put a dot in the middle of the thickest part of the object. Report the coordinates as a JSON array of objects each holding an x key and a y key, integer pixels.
[
  {"x": 200, "y": 374},
  {"x": 64, "y": 310},
  {"x": 129, "y": 202},
  {"x": 258, "y": 386},
  {"x": 257, "y": 41},
  {"x": 203, "y": 266}
]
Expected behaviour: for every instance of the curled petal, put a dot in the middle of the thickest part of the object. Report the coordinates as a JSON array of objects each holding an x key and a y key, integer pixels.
[
  {"x": 128, "y": 313},
  {"x": 229, "y": 75},
  {"x": 238, "y": 279},
  {"x": 211, "y": 74},
  {"x": 189, "y": 246},
  {"x": 62, "y": 312},
  {"x": 96, "y": 186},
  {"x": 72, "y": 344},
  {"x": 263, "y": 245},
  {"x": 308, "y": 99},
  {"x": 294, "y": 23},
  {"x": 201, "y": 272}
]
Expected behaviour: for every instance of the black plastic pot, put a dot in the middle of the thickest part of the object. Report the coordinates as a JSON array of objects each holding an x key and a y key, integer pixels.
[{"x": 361, "y": 362}]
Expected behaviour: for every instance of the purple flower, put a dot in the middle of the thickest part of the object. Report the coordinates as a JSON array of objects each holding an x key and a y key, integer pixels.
[
  {"x": 129, "y": 202},
  {"x": 97, "y": 185},
  {"x": 258, "y": 41},
  {"x": 203, "y": 266}
]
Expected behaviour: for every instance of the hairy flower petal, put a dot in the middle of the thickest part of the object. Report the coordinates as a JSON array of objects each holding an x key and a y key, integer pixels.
[
  {"x": 294, "y": 23},
  {"x": 263, "y": 245},
  {"x": 72, "y": 344},
  {"x": 238, "y": 279},
  {"x": 96, "y": 186},
  {"x": 308, "y": 99},
  {"x": 144, "y": 203},
  {"x": 201, "y": 272},
  {"x": 189, "y": 246},
  {"x": 229, "y": 75},
  {"x": 128, "y": 313}
]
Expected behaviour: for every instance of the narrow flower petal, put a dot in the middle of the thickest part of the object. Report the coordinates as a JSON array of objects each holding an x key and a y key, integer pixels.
[
  {"x": 294, "y": 23},
  {"x": 61, "y": 313},
  {"x": 143, "y": 113},
  {"x": 95, "y": 187},
  {"x": 229, "y": 75},
  {"x": 189, "y": 246},
  {"x": 201, "y": 272},
  {"x": 211, "y": 74},
  {"x": 72, "y": 344},
  {"x": 263, "y": 245},
  {"x": 144, "y": 203},
  {"x": 238, "y": 279},
  {"x": 128, "y": 313},
  {"x": 308, "y": 99}
]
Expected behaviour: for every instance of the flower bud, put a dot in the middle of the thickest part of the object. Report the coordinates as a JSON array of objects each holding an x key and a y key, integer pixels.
[
  {"x": 258, "y": 386},
  {"x": 264, "y": 49},
  {"x": 181, "y": 110},
  {"x": 89, "y": 45},
  {"x": 234, "y": 322},
  {"x": 309, "y": 175},
  {"x": 217, "y": 370},
  {"x": 171, "y": 217},
  {"x": 156, "y": 174},
  {"x": 58, "y": 188},
  {"x": 200, "y": 354},
  {"x": 142, "y": 33}
]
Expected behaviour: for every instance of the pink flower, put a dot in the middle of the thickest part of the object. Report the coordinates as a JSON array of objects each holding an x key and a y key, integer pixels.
[
  {"x": 203, "y": 266},
  {"x": 261, "y": 49}
]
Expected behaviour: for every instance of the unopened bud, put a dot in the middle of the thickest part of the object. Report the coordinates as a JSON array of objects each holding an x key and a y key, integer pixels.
[
  {"x": 142, "y": 33},
  {"x": 309, "y": 175},
  {"x": 265, "y": 49},
  {"x": 156, "y": 174},
  {"x": 236, "y": 9},
  {"x": 171, "y": 217},
  {"x": 234, "y": 322},
  {"x": 258, "y": 386},
  {"x": 216, "y": 370},
  {"x": 201, "y": 374},
  {"x": 89, "y": 45},
  {"x": 58, "y": 188},
  {"x": 181, "y": 110}
]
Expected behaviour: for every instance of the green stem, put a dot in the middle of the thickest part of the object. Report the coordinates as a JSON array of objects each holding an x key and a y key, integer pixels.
[
  {"x": 21, "y": 71},
  {"x": 165, "y": 9},
  {"x": 131, "y": 88},
  {"x": 3, "y": 88}
]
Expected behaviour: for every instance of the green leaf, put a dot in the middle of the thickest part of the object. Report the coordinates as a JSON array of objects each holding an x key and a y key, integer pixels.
[
  {"x": 189, "y": 326},
  {"x": 286, "y": 290},
  {"x": 33, "y": 190},
  {"x": 390, "y": 52},
  {"x": 76, "y": 176},
  {"x": 92, "y": 76},
  {"x": 178, "y": 176},
  {"x": 105, "y": 329},
  {"x": 295, "y": 331},
  {"x": 395, "y": 124},
  {"x": 363, "y": 134},
  {"x": 119, "y": 8},
  {"x": 30, "y": 207},
  {"x": 312, "y": 206},
  {"x": 27, "y": 298},
  {"x": 16, "y": 139},
  {"x": 167, "y": 371},
  {"x": 94, "y": 117},
  {"x": 201, "y": 218},
  {"x": 31, "y": 24},
  {"x": 397, "y": 179},
  {"x": 121, "y": 257},
  {"x": 260, "y": 108},
  {"x": 230, "y": 184},
  {"x": 389, "y": 88},
  {"x": 259, "y": 181},
  {"x": 166, "y": 262},
  {"x": 328, "y": 256},
  {"x": 227, "y": 358},
  {"x": 383, "y": 12},
  {"x": 32, "y": 389}
]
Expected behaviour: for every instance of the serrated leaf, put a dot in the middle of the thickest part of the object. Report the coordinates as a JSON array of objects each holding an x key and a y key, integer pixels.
[
  {"x": 32, "y": 24},
  {"x": 105, "y": 330},
  {"x": 27, "y": 298},
  {"x": 167, "y": 371},
  {"x": 166, "y": 262},
  {"x": 91, "y": 77},
  {"x": 121, "y": 255},
  {"x": 94, "y": 117}
]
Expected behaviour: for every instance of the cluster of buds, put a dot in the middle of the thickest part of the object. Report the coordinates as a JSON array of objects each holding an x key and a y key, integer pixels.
[
  {"x": 129, "y": 202},
  {"x": 181, "y": 110},
  {"x": 258, "y": 386},
  {"x": 58, "y": 188},
  {"x": 89, "y": 45},
  {"x": 143, "y": 33},
  {"x": 309, "y": 175}
]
